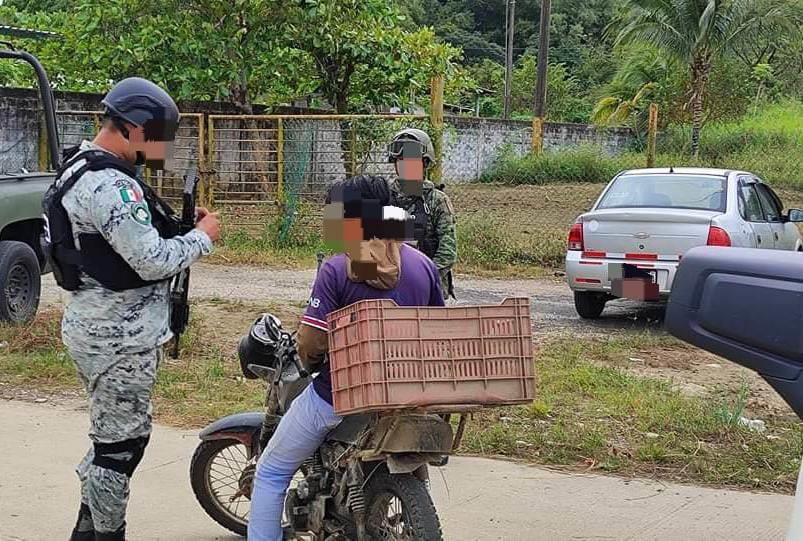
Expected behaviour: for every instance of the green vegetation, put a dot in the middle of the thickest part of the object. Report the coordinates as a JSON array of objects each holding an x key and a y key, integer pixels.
[
  {"x": 699, "y": 34},
  {"x": 596, "y": 417},
  {"x": 358, "y": 56},
  {"x": 589, "y": 413},
  {"x": 764, "y": 143}
]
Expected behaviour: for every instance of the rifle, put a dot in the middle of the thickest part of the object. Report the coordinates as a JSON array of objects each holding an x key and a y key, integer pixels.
[{"x": 179, "y": 303}]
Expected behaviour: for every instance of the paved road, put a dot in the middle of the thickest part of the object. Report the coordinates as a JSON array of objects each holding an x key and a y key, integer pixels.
[
  {"x": 553, "y": 307},
  {"x": 478, "y": 499}
]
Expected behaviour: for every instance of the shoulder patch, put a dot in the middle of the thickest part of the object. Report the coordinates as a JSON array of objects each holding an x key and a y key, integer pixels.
[
  {"x": 130, "y": 195},
  {"x": 141, "y": 214}
]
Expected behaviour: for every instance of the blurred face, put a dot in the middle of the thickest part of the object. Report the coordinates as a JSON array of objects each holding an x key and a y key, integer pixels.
[
  {"x": 350, "y": 225},
  {"x": 410, "y": 166},
  {"x": 157, "y": 154}
]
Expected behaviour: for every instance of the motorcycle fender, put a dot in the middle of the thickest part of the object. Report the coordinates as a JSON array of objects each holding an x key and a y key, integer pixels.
[
  {"x": 415, "y": 464},
  {"x": 412, "y": 434},
  {"x": 243, "y": 427}
]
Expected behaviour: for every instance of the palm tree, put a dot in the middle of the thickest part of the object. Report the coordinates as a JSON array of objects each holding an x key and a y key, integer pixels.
[
  {"x": 614, "y": 110},
  {"x": 698, "y": 33}
]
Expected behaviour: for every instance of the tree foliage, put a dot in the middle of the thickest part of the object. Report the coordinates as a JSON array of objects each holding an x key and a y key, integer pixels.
[
  {"x": 355, "y": 53},
  {"x": 699, "y": 34}
]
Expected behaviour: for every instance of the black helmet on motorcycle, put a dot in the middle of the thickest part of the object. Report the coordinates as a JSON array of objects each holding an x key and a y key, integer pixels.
[
  {"x": 143, "y": 103},
  {"x": 258, "y": 347}
]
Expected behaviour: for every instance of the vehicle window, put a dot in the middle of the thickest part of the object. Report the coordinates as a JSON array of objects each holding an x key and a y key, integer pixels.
[
  {"x": 749, "y": 206},
  {"x": 768, "y": 204},
  {"x": 666, "y": 191}
]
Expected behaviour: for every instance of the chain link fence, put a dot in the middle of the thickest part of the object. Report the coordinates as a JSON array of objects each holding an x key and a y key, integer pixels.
[{"x": 264, "y": 169}]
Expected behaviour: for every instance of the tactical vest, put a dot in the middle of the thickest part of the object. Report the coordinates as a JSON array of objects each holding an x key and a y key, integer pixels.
[{"x": 95, "y": 257}]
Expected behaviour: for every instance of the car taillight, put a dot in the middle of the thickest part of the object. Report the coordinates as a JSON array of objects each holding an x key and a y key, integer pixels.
[
  {"x": 576, "y": 237},
  {"x": 718, "y": 237}
]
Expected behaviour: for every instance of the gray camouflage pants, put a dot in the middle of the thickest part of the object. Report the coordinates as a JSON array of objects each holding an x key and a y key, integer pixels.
[{"x": 119, "y": 389}]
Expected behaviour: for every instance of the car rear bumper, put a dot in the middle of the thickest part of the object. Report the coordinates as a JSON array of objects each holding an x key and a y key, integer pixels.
[{"x": 592, "y": 274}]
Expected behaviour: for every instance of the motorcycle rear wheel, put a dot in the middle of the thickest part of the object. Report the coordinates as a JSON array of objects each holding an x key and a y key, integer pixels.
[
  {"x": 399, "y": 508},
  {"x": 233, "y": 454}
]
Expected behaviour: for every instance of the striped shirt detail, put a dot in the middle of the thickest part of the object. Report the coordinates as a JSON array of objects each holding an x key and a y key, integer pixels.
[{"x": 315, "y": 322}]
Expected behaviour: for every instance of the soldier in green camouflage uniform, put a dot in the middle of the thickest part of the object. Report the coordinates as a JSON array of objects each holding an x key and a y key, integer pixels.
[{"x": 432, "y": 211}]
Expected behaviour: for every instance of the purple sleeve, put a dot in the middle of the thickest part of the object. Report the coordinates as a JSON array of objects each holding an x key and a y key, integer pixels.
[
  {"x": 323, "y": 299},
  {"x": 435, "y": 291}
]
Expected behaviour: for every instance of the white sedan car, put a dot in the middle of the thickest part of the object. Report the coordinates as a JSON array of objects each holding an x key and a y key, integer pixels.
[{"x": 646, "y": 219}]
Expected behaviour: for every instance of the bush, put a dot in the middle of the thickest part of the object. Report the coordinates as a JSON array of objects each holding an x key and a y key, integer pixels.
[{"x": 584, "y": 164}]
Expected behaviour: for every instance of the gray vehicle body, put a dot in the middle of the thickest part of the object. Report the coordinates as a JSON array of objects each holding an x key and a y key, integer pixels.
[{"x": 654, "y": 238}]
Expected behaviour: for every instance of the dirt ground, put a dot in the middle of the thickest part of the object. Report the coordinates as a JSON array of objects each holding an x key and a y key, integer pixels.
[{"x": 231, "y": 298}]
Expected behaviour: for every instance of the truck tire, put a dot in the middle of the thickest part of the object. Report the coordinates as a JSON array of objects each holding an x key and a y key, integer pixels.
[
  {"x": 20, "y": 282},
  {"x": 589, "y": 305}
]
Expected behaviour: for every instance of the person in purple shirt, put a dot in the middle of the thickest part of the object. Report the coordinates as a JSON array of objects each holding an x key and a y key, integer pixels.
[{"x": 374, "y": 263}]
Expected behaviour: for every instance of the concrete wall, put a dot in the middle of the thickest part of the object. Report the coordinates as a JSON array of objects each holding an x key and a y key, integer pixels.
[{"x": 245, "y": 152}]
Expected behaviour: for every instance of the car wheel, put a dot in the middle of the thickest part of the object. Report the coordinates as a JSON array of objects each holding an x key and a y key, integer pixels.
[
  {"x": 20, "y": 283},
  {"x": 589, "y": 305}
]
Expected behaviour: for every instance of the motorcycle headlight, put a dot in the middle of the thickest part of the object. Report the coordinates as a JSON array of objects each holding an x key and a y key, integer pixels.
[{"x": 258, "y": 347}]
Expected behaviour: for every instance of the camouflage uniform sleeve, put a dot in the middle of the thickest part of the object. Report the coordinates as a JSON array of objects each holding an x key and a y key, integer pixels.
[
  {"x": 121, "y": 215},
  {"x": 444, "y": 221}
]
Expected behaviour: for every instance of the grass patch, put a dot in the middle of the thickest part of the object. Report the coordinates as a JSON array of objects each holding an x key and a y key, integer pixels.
[
  {"x": 204, "y": 384},
  {"x": 597, "y": 417},
  {"x": 760, "y": 143},
  {"x": 589, "y": 414},
  {"x": 580, "y": 165},
  {"x": 487, "y": 242}
]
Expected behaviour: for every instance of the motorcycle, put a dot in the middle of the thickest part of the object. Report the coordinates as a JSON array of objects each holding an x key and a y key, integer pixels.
[{"x": 368, "y": 480}]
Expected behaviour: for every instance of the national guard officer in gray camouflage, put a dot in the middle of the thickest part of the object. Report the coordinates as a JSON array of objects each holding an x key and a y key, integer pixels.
[
  {"x": 434, "y": 220},
  {"x": 111, "y": 244}
]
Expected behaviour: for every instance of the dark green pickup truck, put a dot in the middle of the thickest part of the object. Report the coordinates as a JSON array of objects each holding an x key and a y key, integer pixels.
[{"x": 22, "y": 261}]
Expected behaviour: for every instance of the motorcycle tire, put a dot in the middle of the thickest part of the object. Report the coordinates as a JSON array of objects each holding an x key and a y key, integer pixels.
[
  {"x": 200, "y": 464},
  {"x": 419, "y": 516}
]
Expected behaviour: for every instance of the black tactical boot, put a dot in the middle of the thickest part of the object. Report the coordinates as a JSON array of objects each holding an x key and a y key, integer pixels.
[
  {"x": 84, "y": 530},
  {"x": 119, "y": 535}
]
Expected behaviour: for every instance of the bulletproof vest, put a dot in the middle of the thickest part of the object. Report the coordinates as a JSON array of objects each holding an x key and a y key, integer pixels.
[
  {"x": 424, "y": 233},
  {"x": 95, "y": 257}
]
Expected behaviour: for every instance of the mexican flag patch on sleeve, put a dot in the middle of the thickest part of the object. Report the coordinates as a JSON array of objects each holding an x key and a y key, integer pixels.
[{"x": 129, "y": 196}]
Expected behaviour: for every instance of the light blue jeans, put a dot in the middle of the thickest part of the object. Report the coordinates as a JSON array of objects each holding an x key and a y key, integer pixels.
[{"x": 300, "y": 432}]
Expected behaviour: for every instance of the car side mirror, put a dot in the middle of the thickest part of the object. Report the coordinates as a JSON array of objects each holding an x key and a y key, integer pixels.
[
  {"x": 795, "y": 215},
  {"x": 727, "y": 301}
]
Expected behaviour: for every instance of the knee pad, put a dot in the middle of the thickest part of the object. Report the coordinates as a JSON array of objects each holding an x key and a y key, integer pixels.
[{"x": 122, "y": 456}]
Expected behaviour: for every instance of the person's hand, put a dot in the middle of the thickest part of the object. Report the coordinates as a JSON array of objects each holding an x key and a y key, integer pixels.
[
  {"x": 210, "y": 224},
  {"x": 200, "y": 213}
]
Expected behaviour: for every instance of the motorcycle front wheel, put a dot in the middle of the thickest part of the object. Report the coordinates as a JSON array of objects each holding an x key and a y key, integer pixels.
[
  {"x": 222, "y": 476},
  {"x": 399, "y": 508}
]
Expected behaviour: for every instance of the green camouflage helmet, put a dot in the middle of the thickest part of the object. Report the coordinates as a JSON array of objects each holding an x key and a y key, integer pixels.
[{"x": 412, "y": 134}]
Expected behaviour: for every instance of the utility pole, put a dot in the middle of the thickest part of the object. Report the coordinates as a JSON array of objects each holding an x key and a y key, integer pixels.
[
  {"x": 510, "y": 23},
  {"x": 540, "y": 84}
]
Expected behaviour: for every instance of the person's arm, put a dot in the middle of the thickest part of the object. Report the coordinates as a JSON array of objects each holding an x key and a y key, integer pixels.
[
  {"x": 312, "y": 338},
  {"x": 121, "y": 215},
  {"x": 444, "y": 222}
]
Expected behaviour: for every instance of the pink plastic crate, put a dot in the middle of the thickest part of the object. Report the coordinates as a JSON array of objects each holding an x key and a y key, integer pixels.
[{"x": 383, "y": 356}]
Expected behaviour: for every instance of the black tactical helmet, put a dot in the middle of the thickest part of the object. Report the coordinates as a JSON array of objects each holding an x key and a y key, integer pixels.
[
  {"x": 259, "y": 345},
  {"x": 142, "y": 103}
]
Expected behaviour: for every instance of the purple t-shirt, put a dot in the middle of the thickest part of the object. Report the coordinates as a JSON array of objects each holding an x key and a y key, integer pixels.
[{"x": 419, "y": 285}]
